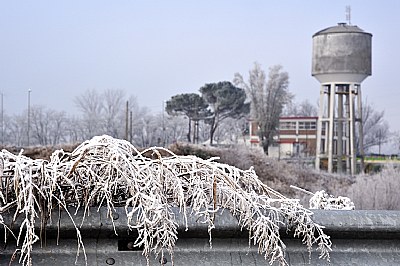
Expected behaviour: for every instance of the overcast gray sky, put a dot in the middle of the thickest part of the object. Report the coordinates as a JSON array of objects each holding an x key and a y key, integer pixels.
[{"x": 156, "y": 49}]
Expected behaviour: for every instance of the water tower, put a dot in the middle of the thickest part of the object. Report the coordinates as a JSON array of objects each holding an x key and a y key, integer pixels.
[{"x": 341, "y": 60}]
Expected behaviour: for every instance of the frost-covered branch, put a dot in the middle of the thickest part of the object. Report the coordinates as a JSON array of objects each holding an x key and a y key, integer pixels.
[{"x": 108, "y": 172}]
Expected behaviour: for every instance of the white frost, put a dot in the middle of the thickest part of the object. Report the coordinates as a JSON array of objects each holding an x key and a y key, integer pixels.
[
  {"x": 323, "y": 201},
  {"x": 110, "y": 172}
]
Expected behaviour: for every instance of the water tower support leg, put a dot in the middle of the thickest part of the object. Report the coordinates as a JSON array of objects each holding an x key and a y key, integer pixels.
[
  {"x": 360, "y": 129},
  {"x": 340, "y": 130},
  {"x": 352, "y": 133},
  {"x": 319, "y": 128},
  {"x": 331, "y": 126},
  {"x": 348, "y": 125}
]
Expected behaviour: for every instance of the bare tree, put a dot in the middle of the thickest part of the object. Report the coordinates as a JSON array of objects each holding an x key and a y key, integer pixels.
[
  {"x": 155, "y": 129},
  {"x": 141, "y": 124},
  {"x": 375, "y": 128},
  {"x": 308, "y": 109},
  {"x": 91, "y": 106},
  {"x": 39, "y": 125},
  {"x": 396, "y": 141},
  {"x": 175, "y": 129},
  {"x": 291, "y": 109},
  {"x": 74, "y": 129},
  {"x": 17, "y": 128},
  {"x": 304, "y": 108},
  {"x": 58, "y": 127},
  {"x": 113, "y": 108},
  {"x": 268, "y": 99},
  {"x": 47, "y": 125},
  {"x": 147, "y": 130},
  {"x": 145, "y": 126},
  {"x": 8, "y": 136},
  {"x": 105, "y": 112},
  {"x": 230, "y": 131}
]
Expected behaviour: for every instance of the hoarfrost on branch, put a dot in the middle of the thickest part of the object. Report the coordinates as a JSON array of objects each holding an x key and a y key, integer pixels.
[{"x": 108, "y": 172}]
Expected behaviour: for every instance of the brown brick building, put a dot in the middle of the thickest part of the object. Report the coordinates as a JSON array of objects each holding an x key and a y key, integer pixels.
[{"x": 296, "y": 137}]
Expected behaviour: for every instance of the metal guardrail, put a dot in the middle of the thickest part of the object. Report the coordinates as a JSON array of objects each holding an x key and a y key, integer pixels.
[{"x": 358, "y": 237}]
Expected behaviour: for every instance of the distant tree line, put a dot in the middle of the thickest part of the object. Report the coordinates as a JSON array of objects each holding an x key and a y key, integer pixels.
[
  {"x": 99, "y": 113},
  {"x": 219, "y": 113},
  {"x": 113, "y": 113}
]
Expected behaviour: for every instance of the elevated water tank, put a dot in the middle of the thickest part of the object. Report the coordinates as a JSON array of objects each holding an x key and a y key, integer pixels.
[{"x": 341, "y": 54}]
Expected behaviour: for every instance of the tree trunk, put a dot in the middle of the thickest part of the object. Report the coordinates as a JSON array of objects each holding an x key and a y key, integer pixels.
[
  {"x": 212, "y": 131},
  {"x": 190, "y": 131},
  {"x": 265, "y": 145},
  {"x": 264, "y": 136}
]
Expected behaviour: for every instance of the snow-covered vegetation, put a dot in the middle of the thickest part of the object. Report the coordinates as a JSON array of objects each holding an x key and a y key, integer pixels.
[
  {"x": 277, "y": 174},
  {"x": 323, "y": 201},
  {"x": 110, "y": 172},
  {"x": 377, "y": 191}
]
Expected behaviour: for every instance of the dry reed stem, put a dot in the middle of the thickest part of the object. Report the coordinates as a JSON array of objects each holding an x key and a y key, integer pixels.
[{"x": 109, "y": 172}]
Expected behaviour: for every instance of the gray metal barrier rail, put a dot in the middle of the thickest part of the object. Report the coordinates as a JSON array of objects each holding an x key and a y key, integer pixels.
[{"x": 358, "y": 237}]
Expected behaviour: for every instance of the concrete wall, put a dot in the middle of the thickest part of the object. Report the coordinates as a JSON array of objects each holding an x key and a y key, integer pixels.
[{"x": 358, "y": 237}]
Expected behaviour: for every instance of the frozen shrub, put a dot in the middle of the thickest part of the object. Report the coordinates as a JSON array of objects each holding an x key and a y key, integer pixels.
[{"x": 378, "y": 191}]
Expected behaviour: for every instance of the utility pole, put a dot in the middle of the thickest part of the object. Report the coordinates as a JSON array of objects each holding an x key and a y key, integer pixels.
[
  {"x": 130, "y": 126},
  {"x": 29, "y": 113},
  {"x": 2, "y": 119},
  {"x": 163, "y": 124},
  {"x": 127, "y": 121}
]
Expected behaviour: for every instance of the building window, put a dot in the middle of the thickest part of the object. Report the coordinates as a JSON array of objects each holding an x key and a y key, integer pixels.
[
  {"x": 287, "y": 125},
  {"x": 307, "y": 125}
]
